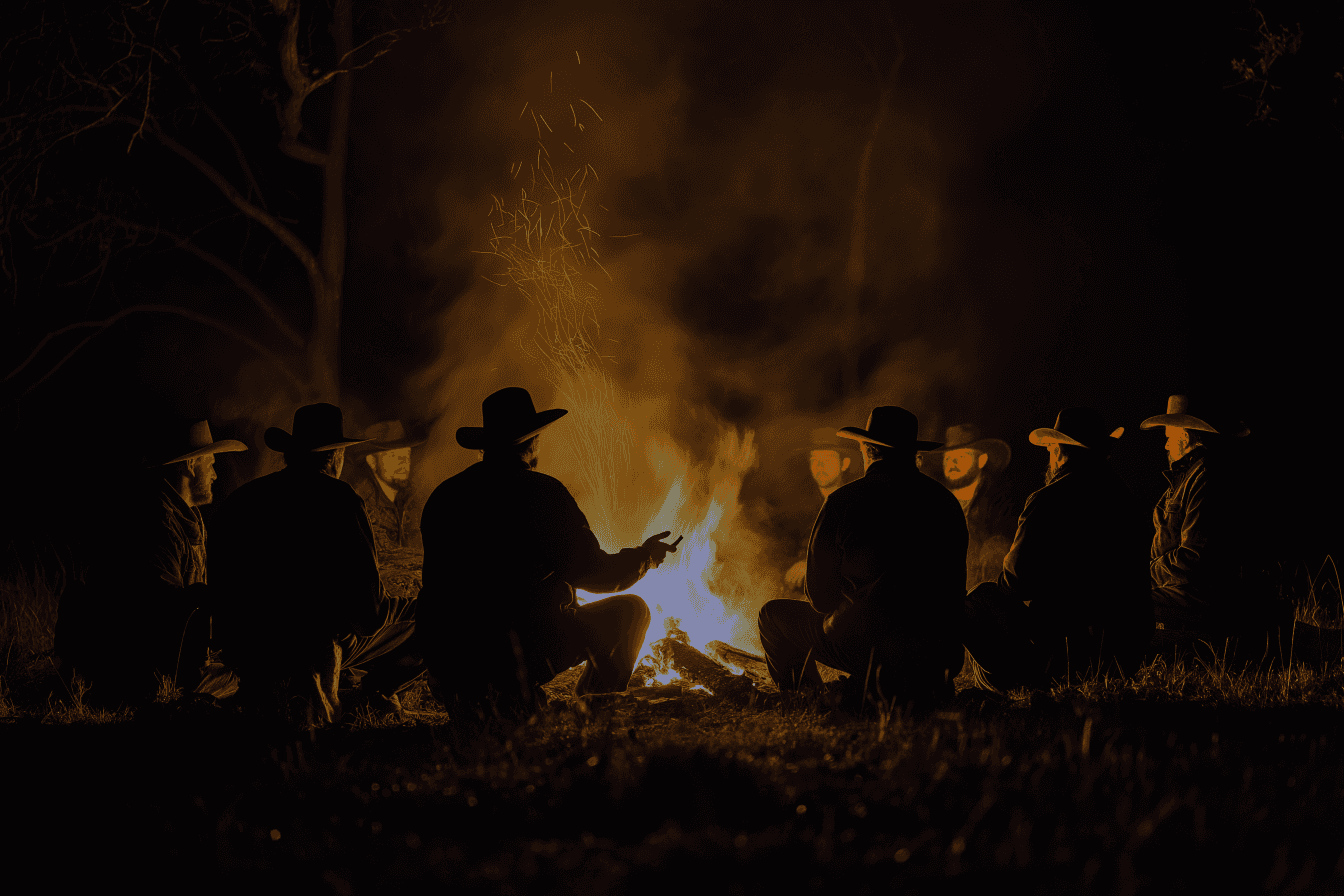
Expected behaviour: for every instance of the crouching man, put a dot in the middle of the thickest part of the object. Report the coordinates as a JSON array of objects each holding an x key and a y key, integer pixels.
[
  {"x": 1073, "y": 594},
  {"x": 886, "y": 566},
  {"x": 505, "y": 549},
  {"x": 141, "y": 614},
  {"x": 300, "y": 598}
]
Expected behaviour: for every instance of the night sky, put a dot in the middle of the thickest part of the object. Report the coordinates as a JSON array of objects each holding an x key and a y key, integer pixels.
[{"x": 1065, "y": 206}]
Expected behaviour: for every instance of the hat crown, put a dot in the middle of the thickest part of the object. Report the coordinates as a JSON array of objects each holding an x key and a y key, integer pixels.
[
  {"x": 507, "y": 407},
  {"x": 893, "y": 425},
  {"x": 198, "y": 435},
  {"x": 385, "y": 431},
  {"x": 1178, "y": 404},
  {"x": 1084, "y": 425},
  {"x": 961, "y": 434}
]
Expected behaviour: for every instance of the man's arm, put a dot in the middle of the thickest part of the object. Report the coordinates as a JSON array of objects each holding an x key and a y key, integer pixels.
[
  {"x": 1188, "y": 559},
  {"x": 578, "y": 558},
  {"x": 824, "y": 586}
]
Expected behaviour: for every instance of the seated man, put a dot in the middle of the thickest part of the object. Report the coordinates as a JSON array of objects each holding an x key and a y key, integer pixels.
[
  {"x": 1072, "y": 596},
  {"x": 380, "y": 472},
  {"x": 968, "y": 466},
  {"x": 1202, "y": 525},
  {"x": 137, "y": 617},
  {"x": 885, "y": 569},
  {"x": 827, "y": 461},
  {"x": 505, "y": 548},
  {"x": 300, "y": 598}
]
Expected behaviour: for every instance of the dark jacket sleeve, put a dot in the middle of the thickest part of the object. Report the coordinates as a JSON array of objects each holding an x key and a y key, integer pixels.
[
  {"x": 1030, "y": 557},
  {"x": 578, "y": 558},
  {"x": 825, "y": 581},
  {"x": 354, "y": 553},
  {"x": 1194, "y": 534}
]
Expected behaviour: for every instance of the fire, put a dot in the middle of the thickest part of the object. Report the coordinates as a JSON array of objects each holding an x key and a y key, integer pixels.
[{"x": 692, "y": 595}]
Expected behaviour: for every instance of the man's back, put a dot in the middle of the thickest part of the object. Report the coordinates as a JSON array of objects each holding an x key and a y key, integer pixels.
[
  {"x": 889, "y": 549},
  {"x": 1078, "y": 556},
  {"x": 293, "y": 550}
]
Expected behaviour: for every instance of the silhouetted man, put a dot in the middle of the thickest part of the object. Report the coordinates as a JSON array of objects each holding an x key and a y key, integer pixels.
[
  {"x": 1072, "y": 595},
  {"x": 297, "y": 569},
  {"x": 505, "y": 549},
  {"x": 967, "y": 466},
  {"x": 885, "y": 568},
  {"x": 827, "y": 461},
  {"x": 1203, "y": 524},
  {"x": 136, "y": 617}
]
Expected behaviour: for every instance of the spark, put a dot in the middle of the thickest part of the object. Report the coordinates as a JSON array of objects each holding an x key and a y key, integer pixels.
[
  {"x": 590, "y": 106},
  {"x": 543, "y": 121},
  {"x": 525, "y": 105},
  {"x": 623, "y": 236},
  {"x": 543, "y": 149},
  {"x": 534, "y": 121},
  {"x": 576, "y": 56},
  {"x": 594, "y": 170},
  {"x": 580, "y": 126},
  {"x": 552, "y": 82},
  {"x": 575, "y": 114},
  {"x": 567, "y": 146}
]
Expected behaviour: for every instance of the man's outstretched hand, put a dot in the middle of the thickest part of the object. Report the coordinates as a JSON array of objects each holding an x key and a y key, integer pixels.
[{"x": 658, "y": 550}]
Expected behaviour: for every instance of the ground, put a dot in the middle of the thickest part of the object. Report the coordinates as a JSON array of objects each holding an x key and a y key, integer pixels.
[{"x": 1109, "y": 789}]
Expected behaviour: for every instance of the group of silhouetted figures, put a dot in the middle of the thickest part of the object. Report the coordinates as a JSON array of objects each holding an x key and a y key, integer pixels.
[{"x": 295, "y": 618}]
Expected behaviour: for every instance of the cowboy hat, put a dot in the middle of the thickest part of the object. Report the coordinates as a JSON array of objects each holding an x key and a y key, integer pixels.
[
  {"x": 967, "y": 436},
  {"x": 1077, "y": 426},
  {"x": 823, "y": 438},
  {"x": 387, "y": 435},
  {"x": 317, "y": 427},
  {"x": 890, "y": 427},
  {"x": 510, "y": 418},
  {"x": 1178, "y": 414},
  {"x": 196, "y": 441}
]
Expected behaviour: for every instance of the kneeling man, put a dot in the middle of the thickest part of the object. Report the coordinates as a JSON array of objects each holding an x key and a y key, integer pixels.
[
  {"x": 886, "y": 566},
  {"x": 505, "y": 549}
]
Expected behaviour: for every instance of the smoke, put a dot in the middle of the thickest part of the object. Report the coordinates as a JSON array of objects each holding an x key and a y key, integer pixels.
[{"x": 720, "y": 151}]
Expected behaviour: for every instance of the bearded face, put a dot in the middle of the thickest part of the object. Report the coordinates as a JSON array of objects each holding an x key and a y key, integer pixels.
[
  {"x": 1178, "y": 443},
  {"x": 1054, "y": 465},
  {"x": 962, "y": 467},
  {"x": 392, "y": 468},
  {"x": 201, "y": 483}
]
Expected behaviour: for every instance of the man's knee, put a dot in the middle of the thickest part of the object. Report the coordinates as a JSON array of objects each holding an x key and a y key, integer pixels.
[
  {"x": 634, "y": 610},
  {"x": 767, "y": 620}
]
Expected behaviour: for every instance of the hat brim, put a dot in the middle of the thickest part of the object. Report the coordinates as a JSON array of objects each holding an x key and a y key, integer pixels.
[
  {"x": 478, "y": 438},
  {"x": 1184, "y": 421},
  {"x": 863, "y": 435},
  {"x": 278, "y": 440},
  {"x": 374, "y": 447},
  {"x": 223, "y": 446},
  {"x": 1045, "y": 435}
]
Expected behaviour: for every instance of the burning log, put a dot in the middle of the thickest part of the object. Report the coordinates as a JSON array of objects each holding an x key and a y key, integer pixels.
[
  {"x": 753, "y": 665},
  {"x": 676, "y": 653}
]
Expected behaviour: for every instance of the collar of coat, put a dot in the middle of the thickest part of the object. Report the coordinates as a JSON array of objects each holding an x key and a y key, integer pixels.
[{"x": 1181, "y": 468}]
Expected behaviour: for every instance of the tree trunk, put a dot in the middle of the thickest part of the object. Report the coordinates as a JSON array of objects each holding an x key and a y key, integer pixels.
[{"x": 324, "y": 347}]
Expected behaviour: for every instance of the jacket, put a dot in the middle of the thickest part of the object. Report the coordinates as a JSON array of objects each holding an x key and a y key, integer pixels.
[{"x": 886, "y": 562}]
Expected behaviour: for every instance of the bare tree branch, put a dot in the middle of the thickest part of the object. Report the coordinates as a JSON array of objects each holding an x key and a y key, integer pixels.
[{"x": 101, "y": 325}]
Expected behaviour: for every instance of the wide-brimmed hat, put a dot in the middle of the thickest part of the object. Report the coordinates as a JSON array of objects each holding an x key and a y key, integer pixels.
[
  {"x": 1077, "y": 426},
  {"x": 510, "y": 418},
  {"x": 387, "y": 435},
  {"x": 891, "y": 427},
  {"x": 1214, "y": 418},
  {"x": 317, "y": 427},
  {"x": 967, "y": 436},
  {"x": 824, "y": 438},
  {"x": 195, "y": 441}
]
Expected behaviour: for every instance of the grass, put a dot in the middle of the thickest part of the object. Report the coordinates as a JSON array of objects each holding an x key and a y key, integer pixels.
[{"x": 1188, "y": 776}]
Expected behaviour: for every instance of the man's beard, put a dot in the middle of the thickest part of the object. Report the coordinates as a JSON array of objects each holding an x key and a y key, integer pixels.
[
  {"x": 968, "y": 478},
  {"x": 396, "y": 483},
  {"x": 1053, "y": 472},
  {"x": 201, "y": 493}
]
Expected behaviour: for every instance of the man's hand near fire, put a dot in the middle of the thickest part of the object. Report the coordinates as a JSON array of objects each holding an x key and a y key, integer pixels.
[{"x": 658, "y": 549}]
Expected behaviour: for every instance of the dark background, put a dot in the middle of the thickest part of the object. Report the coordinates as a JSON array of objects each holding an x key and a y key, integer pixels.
[{"x": 1112, "y": 227}]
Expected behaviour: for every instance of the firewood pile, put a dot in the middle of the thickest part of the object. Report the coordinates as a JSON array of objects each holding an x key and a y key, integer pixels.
[{"x": 715, "y": 673}]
